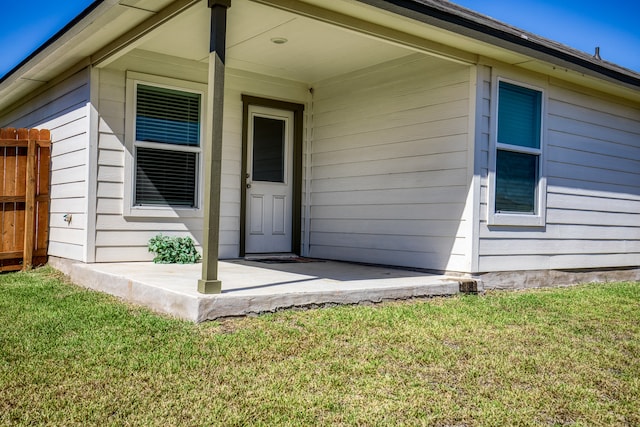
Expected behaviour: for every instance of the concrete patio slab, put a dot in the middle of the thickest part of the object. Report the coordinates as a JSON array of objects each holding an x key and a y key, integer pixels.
[{"x": 250, "y": 286}]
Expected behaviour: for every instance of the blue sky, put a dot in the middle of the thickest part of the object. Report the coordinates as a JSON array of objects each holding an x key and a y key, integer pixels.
[
  {"x": 581, "y": 24},
  {"x": 32, "y": 23}
]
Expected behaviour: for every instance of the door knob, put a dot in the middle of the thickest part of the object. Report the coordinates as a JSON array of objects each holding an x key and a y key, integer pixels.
[{"x": 248, "y": 185}]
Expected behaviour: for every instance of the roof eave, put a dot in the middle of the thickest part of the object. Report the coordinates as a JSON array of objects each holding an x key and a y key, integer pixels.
[
  {"x": 23, "y": 64},
  {"x": 448, "y": 20}
]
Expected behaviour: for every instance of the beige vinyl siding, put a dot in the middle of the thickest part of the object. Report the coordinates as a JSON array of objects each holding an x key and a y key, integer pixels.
[
  {"x": 122, "y": 238},
  {"x": 593, "y": 190},
  {"x": 63, "y": 108},
  {"x": 389, "y": 165}
]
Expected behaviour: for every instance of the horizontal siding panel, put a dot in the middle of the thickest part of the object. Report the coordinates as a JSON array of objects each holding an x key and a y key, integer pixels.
[
  {"x": 426, "y": 179},
  {"x": 230, "y": 196},
  {"x": 593, "y": 192},
  {"x": 593, "y": 188},
  {"x": 597, "y": 101},
  {"x": 559, "y": 216},
  {"x": 108, "y": 141},
  {"x": 600, "y": 260},
  {"x": 333, "y": 140},
  {"x": 392, "y": 196},
  {"x": 110, "y": 206},
  {"x": 515, "y": 246},
  {"x": 68, "y": 205},
  {"x": 112, "y": 91},
  {"x": 110, "y": 108},
  {"x": 119, "y": 223},
  {"x": 449, "y": 144},
  {"x": 111, "y": 158},
  {"x": 68, "y": 175},
  {"x": 71, "y": 84},
  {"x": 70, "y": 145},
  {"x": 357, "y": 108},
  {"x": 400, "y": 243},
  {"x": 78, "y": 221},
  {"x": 65, "y": 250},
  {"x": 591, "y": 145},
  {"x": 439, "y": 211},
  {"x": 589, "y": 130},
  {"x": 69, "y": 160},
  {"x": 568, "y": 261},
  {"x": 229, "y": 251},
  {"x": 110, "y": 174},
  {"x": 110, "y": 124},
  {"x": 584, "y": 114},
  {"x": 230, "y": 223},
  {"x": 69, "y": 190},
  {"x": 430, "y": 73},
  {"x": 592, "y": 160},
  {"x": 593, "y": 232},
  {"x": 394, "y": 165},
  {"x": 427, "y": 260},
  {"x": 595, "y": 204},
  {"x": 396, "y": 119},
  {"x": 73, "y": 129},
  {"x": 586, "y": 173},
  {"x": 124, "y": 253},
  {"x": 164, "y": 65},
  {"x": 113, "y": 190},
  {"x": 64, "y": 109},
  {"x": 72, "y": 236},
  {"x": 426, "y": 228},
  {"x": 75, "y": 116}
]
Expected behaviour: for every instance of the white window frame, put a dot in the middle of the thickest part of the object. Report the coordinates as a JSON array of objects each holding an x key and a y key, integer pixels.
[
  {"x": 133, "y": 79},
  {"x": 538, "y": 218}
]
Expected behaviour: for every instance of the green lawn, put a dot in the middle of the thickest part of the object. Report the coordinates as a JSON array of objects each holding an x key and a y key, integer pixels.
[{"x": 69, "y": 356}]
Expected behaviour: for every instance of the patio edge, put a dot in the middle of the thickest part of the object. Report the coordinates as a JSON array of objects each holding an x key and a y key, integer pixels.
[{"x": 230, "y": 306}]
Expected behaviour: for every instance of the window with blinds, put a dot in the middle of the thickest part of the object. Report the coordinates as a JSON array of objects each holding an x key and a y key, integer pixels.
[
  {"x": 518, "y": 149},
  {"x": 167, "y": 146}
]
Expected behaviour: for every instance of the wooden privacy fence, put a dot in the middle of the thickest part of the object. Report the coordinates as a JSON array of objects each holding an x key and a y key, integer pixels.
[{"x": 24, "y": 197}]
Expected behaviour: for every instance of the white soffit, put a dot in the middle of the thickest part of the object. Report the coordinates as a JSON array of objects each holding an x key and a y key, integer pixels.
[{"x": 313, "y": 50}]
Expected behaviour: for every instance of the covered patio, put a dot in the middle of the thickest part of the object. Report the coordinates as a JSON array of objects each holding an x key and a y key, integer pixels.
[
  {"x": 255, "y": 286},
  {"x": 375, "y": 168}
]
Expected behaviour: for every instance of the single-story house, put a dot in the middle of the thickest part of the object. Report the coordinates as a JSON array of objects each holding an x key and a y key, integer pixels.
[{"x": 412, "y": 133}]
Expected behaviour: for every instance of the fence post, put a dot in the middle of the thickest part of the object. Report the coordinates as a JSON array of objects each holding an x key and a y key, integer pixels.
[{"x": 30, "y": 200}]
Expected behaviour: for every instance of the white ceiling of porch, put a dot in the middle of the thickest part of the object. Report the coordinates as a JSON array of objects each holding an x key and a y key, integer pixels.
[{"x": 314, "y": 51}]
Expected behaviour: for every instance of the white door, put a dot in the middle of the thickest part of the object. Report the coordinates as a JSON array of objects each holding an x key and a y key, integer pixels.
[{"x": 269, "y": 180}]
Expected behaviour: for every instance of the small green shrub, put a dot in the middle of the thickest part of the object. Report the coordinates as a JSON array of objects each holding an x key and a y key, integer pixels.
[{"x": 173, "y": 250}]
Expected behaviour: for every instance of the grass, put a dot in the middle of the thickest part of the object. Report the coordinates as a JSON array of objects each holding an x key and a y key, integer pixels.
[{"x": 69, "y": 356}]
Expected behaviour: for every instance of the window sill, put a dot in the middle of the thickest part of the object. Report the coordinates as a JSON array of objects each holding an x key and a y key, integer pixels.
[
  {"x": 162, "y": 212},
  {"x": 516, "y": 220}
]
